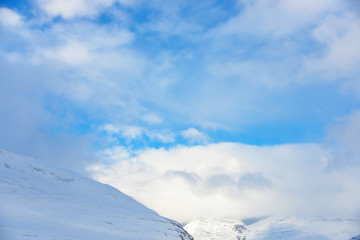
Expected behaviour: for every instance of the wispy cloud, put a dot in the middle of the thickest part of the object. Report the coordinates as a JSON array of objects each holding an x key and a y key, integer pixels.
[
  {"x": 194, "y": 136},
  {"x": 77, "y": 8},
  {"x": 108, "y": 64},
  {"x": 9, "y": 18},
  {"x": 152, "y": 119},
  {"x": 137, "y": 133},
  {"x": 342, "y": 55}
]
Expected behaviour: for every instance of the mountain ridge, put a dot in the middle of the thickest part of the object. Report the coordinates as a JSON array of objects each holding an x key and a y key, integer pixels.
[
  {"x": 271, "y": 228},
  {"x": 39, "y": 201}
]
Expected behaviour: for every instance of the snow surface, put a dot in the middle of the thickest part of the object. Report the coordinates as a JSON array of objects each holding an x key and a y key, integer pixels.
[
  {"x": 272, "y": 228},
  {"x": 42, "y": 202},
  {"x": 205, "y": 229}
]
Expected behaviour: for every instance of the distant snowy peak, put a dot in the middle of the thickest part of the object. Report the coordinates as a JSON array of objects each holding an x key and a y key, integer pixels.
[
  {"x": 355, "y": 238},
  {"x": 43, "y": 202},
  {"x": 206, "y": 229},
  {"x": 271, "y": 228}
]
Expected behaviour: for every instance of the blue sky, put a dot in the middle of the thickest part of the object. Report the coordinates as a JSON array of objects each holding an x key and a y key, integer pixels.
[
  {"x": 210, "y": 65},
  {"x": 80, "y": 78}
]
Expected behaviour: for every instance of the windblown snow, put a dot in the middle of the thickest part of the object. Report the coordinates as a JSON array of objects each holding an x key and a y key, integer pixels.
[{"x": 42, "y": 203}]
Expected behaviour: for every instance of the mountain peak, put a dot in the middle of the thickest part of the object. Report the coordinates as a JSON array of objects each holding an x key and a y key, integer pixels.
[
  {"x": 217, "y": 229},
  {"x": 279, "y": 228}
]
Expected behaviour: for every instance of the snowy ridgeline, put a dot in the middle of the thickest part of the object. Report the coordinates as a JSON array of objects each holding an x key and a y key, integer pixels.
[
  {"x": 42, "y": 203},
  {"x": 275, "y": 229}
]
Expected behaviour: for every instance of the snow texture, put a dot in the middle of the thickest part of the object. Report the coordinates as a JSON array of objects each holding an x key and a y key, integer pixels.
[
  {"x": 272, "y": 228},
  {"x": 40, "y": 202},
  {"x": 202, "y": 229}
]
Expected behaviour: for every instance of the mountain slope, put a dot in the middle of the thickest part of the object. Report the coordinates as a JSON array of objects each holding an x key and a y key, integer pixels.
[
  {"x": 206, "y": 229},
  {"x": 274, "y": 228},
  {"x": 42, "y": 202}
]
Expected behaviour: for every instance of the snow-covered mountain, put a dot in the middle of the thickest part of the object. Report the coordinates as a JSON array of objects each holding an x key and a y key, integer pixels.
[
  {"x": 42, "y": 202},
  {"x": 206, "y": 229},
  {"x": 272, "y": 228}
]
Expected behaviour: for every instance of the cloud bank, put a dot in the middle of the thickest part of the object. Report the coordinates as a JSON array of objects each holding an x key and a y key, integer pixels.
[{"x": 234, "y": 181}]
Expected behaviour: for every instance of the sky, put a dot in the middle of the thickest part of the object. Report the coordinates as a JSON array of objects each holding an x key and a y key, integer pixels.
[{"x": 237, "y": 106}]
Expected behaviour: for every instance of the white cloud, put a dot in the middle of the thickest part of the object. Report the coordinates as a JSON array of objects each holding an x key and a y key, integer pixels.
[
  {"x": 295, "y": 42},
  {"x": 110, "y": 128},
  {"x": 88, "y": 62},
  {"x": 85, "y": 44},
  {"x": 170, "y": 22},
  {"x": 69, "y": 9},
  {"x": 134, "y": 132},
  {"x": 235, "y": 180},
  {"x": 117, "y": 153},
  {"x": 13, "y": 57},
  {"x": 194, "y": 136},
  {"x": 74, "y": 53},
  {"x": 152, "y": 119},
  {"x": 343, "y": 139},
  {"x": 165, "y": 136},
  {"x": 260, "y": 72},
  {"x": 131, "y": 132},
  {"x": 9, "y": 18},
  {"x": 98, "y": 64},
  {"x": 341, "y": 35},
  {"x": 174, "y": 27},
  {"x": 276, "y": 18}
]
